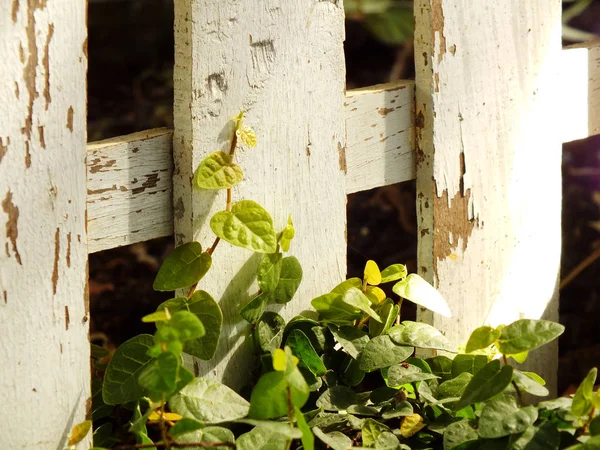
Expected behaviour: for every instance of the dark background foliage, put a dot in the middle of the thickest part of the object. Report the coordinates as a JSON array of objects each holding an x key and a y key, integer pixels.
[{"x": 130, "y": 89}]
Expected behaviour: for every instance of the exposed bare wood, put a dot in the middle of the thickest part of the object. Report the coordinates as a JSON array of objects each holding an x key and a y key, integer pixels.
[
  {"x": 45, "y": 370},
  {"x": 489, "y": 162}
]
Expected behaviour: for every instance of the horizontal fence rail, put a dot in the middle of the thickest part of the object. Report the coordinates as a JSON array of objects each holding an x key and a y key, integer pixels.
[{"x": 130, "y": 177}]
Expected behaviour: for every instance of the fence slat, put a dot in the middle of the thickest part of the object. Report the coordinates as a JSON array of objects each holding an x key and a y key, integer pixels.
[
  {"x": 489, "y": 162},
  {"x": 283, "y": 63},
  {"x": 45, "y": 369}
]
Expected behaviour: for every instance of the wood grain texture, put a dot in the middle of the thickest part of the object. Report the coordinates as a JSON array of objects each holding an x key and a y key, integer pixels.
[
  {"x": 580, "y": 100},
  {"x": 380, "y": 127},
  {"x": 283, "y": 63},
  {"x": 489, "y": 162},
  {"x": 45, "y": 370},
  {"x": 130, "y": 189}
]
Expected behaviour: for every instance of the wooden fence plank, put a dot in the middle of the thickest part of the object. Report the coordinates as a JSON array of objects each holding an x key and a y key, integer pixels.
[
  {"x": 282, "y": 62},
  {"x": 130, "y": 181},
  {"x": 373, "y": 159},
  {"x": 45, "y": 369},
  {"x": 489, "y": 162}
]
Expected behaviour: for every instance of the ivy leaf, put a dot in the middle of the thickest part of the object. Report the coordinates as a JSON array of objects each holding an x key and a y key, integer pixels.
[
  {"x": 468, "y": 363},
  {"x": 582, "y": 401},
  {"x": 247, "y": 136},
  {"x": 217, "y": 171},
  {"x": 419, "y": 291},
  {"x": 441, "y": 366},
  {"x": 371, "y": 429},
  {"x": 528, "y": 384},
  {"x": 355, "y": 298},
  {"x": 308, "y": 440},
  {"x": 393, "y": 273},
  {"x": 482, "y": 337},
  {"x": 79, "y": 432},
  {"x": 351, "y": 372},
  {"x": 209, "y": 401},
  {"x": 336, "y": 398},
  {"x": 269, "y": 270},
  {"x": 458, "y": 432},
  {"x": 287, "y": 235},
  {"x": 164, "y": 376},
  {"x": 382, "y": 352},
  {"x": 205, "y": 308},
  {"x": 372, "y": 275},
  {"x": 501, "y": 417},
  {"x": 254, "y": 309},
  {"x": 543, "y": 437},
  {"x": 184, "y": 426},
  {"x": 375, "y": 294},
  {"x": 400, "y": 374},
  {"x": 454, "y": 387},
  {"x": 387, "y": 441},
  {"x": 420, "y": 335},
  {"x": 248, "y": 225},
  {"x": 268, "y": 333},
  {"x": 121, "y": 376},
  {"x": 269, "y": 398},
  {"x": 303, "y": 349},
  {"x": 260, "y": 438},
  {"x": 411, "y": 425},
  {"x": 184, "y": 267},
  {"x": 335, "y": 439},
  {"x": 401, "y": 409},
  {"x": 282, "y": 428},
  {"x": 332, "y": 309},
  {"x": 347, "y": 284},
  {"x": 388, "y": 312},
  {"x": 187, "y": 325},
  {"x": 527, "y": 334},
  {"x": 352, "y": 340},
  {"x": 289, "y": 280},
  {"x": 485, "y": 384},
  {"x": 211, "y": 435}
]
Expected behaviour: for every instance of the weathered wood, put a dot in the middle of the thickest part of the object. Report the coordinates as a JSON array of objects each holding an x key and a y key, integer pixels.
[
  {"x": 489, "y": 162},
  {"x": 381, "y": 135},
  {"x": 283, "y": 63},
  {"x": 45, "y": 369},
  {"x": 130, "y": 189},
  {"x": 580, "y": 100}
]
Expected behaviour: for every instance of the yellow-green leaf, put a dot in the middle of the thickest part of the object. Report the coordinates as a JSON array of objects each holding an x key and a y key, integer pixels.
[
  {"x": 372, "y": 275},
  {"x": 217, "y": 171},
  {"x": 287, "y": 235},
  {"x": 79, "y": 432},
  {"x": 247, "y": 136},
  {"x": 183, "y": 267}
]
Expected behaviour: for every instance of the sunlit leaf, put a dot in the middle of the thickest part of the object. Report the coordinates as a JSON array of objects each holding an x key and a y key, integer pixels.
[
  {"x": 372, "y": 275},
  {"x": 79, "y": 432},
  {"x": 482, "y": 337},
  {"x": 419, "y": 291},
  {"x": 527, "y": 334},
  {"x": 217, "y": 171},
  {"x": 411, "y": 425}
]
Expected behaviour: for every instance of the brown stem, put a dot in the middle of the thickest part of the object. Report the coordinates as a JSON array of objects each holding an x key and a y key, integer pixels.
[
  {"x": 362, "y": 322},
  {"x": 211, "y": 250},
  {"x": 228, "y": 205}
]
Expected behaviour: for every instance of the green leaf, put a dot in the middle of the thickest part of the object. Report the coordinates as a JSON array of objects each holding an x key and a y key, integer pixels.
[
  {"x": 543, "y": 437},
  {"x": 211, "y": 435},
  {"x": 350, "y": 371},
  {"x": 261, "y": 439},
  {"x": 381, "y": 352},
  {"x": 217, "y": 171},
  {"x": 482, "y": 337},
  {"x": 269, "y": 398},
  {"x": 419, "y": 291},
  {"x": 303, "y": 349},
  {"x": 248, "y": 225},
  {"x": 185, "y": 426},
  {"x": 355, "y": 298},
  {"x": 336, "y": 398},
  {"x": 393, "y": 273},
  {"x": 527, "y": 334},
  {"x": 485, "y": 384},
  {"x": 160, "y": 376},
  {"x": 332, "y": 309},
  {"x": 468, "y": 363},
  {"x": 121, "y": 376},
  {"x": 388, "y": 312},
  {"x": 520, "y": 357},
  {"x": 269, "y": 270},
  {"x": 528, "y": 384},
  {"x": 188, "y": 325},
  {"x": 184, "y": 267},
  {"x": 335, "y": 439},
  {"x": 209, "y": 401},
  {"x": 281, "y": 428},
  {"x": 254, "y": 309},
  {"x": 595, "y": 426},
  {"x": 501, "y": 417},
  {"x": 203, "y": 306},
  {"x": 441, "y": 366},
  {"x": 347, "y": 284},
  {"x": 352, "y": 340},
  {"x": 582, "y": 401},
  {"x": 98, "y": 352},
  {"x": 420, "y": 335},
  {"x": 454, "y": 387},
  {"x": 458, "y": 432},
  {"x": 268, "y": 333},
  {"x": 387, "y": 441},
  {"x": 371, "y": 430},
  {"x": 399, "y": 375},
  {"x": 372, "y": 275},
  {"x": 289, "y": 280},
  {"x": 400, "y": 409},
  {"x": 393, "y": 27},
  {"x": 159, "y": 316},
  {"x": 287, "y": 235},
  {"x": 308, "y": 440}
]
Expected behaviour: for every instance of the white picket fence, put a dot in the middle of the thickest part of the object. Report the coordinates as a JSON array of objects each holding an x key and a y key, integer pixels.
[{"x": 481, "y": 129}]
